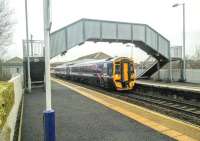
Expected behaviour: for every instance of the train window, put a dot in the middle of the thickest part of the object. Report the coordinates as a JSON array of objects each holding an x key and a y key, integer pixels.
[
  {"x": 99, "y": 68},
  {"x": 109, "y": 69},
  {"x": 105, "y": 68},
  {"x": 131, "y": 68},
  {"x": 117, "y": 69}
]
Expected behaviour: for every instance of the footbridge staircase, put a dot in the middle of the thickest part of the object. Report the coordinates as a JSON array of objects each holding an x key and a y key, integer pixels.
[{"x": 142, "y": 35}]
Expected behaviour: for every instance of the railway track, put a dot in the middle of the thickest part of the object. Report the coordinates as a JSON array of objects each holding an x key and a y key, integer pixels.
[
  {"x": 186, "y": 111},
  {"x": 182, "y": 110},
  {"x": 179, "y": 106}
]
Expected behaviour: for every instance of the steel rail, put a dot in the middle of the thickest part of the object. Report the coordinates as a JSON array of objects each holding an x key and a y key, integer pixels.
[{"x": 169, "y": 104}]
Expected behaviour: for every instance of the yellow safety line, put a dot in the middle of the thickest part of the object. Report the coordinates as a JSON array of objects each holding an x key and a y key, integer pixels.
[{"x": 166, "y": 125}]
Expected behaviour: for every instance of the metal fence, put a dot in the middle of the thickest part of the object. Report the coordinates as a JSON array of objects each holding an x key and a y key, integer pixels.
[
  {"x": 192, "y": 75},
  {"x": 176, "y": 51},
  {"x": 36, "y": 48},
  {"x": 13, "y": 69}
]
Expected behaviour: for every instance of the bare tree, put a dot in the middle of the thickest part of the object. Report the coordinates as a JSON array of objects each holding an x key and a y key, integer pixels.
[
  {"x": 5, "y": 36},
  {"x": 5, "y": 25}
]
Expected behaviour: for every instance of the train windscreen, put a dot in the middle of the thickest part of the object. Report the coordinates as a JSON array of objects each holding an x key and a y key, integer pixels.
[{"x": 117, "y": 69}]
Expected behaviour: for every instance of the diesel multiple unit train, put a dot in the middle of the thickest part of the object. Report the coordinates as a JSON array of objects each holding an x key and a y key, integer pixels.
[{"x": 112, "y": 73}]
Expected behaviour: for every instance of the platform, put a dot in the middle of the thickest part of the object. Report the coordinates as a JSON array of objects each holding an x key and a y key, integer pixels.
[
  {"x": 80, "y": 118},
  {"x": 174, "y": 85}
]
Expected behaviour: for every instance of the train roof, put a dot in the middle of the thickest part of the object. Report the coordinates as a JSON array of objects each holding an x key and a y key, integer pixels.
[
  {"x": 94, "y": 61},
  {"x": 90, "y": 61}
]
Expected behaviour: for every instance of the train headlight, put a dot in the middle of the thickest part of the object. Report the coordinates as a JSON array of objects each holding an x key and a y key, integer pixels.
[{"x": 117, "y": 75}]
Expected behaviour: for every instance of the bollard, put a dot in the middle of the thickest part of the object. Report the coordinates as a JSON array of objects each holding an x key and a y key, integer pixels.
[{"x": 49, "y": 125}]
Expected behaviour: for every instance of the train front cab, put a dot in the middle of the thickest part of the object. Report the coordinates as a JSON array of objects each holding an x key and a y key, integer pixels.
[{"x": 124, "y": 74}]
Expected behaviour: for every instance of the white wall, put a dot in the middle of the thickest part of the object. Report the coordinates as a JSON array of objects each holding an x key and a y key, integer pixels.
[{"x": 9, "y": 127}]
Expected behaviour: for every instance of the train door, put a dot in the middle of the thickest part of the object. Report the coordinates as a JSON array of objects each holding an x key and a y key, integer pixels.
[
  {"x": 117, "y": 74},
  {"x": 125, "y": 69}
]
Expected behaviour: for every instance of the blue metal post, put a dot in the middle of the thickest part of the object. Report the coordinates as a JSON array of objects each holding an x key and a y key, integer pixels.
[{"x": 49, "y": 125}]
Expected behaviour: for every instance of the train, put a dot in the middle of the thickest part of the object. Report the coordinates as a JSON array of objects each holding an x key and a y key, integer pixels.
[{"x": 117, "y": 73}]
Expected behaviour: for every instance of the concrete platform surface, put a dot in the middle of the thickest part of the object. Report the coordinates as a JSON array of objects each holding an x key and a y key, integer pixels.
[
  {"x": 79, "y": 118},
  {"x": 174, "y": 85}
]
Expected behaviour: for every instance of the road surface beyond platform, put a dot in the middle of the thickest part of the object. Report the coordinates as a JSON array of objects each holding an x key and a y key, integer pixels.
[{"x": 79, "y": 118}]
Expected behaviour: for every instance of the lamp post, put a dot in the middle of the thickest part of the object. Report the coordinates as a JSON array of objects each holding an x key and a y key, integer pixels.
[
  {"x": 48, "y": 114},
  {"x": 27, "y": 51},
  {"x": 131, "y": 56},
  {"x": 32, "y": 45},
  {"x": 184, "y": 63}
]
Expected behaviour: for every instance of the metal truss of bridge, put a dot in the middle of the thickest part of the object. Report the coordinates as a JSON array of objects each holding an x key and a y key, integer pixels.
[{"x": 141, "y": 35}]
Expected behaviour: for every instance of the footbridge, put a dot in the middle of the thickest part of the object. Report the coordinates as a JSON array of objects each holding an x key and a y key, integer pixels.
[{"x": 142, "y": 35}]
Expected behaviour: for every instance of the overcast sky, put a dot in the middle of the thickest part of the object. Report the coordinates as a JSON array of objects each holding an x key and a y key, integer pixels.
[{"x": 156, "y": 13}]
